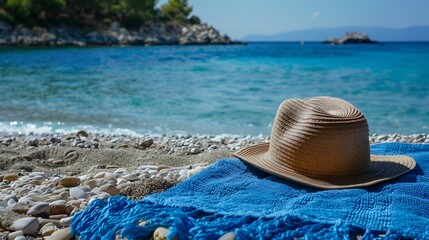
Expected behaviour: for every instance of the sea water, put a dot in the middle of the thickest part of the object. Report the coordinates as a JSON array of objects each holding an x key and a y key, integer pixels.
[{"x": 208, "y": 89}]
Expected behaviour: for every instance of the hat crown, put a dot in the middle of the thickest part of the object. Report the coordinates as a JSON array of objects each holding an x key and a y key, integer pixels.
[{"x": 322, "y": 136}]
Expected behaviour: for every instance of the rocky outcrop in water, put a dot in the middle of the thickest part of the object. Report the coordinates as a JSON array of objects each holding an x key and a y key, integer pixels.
[
  {"x": 350, "y": 38},
  {"x": 157, "y": 33}
]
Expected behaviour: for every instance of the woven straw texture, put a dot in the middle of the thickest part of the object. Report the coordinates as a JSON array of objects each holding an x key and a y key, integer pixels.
[{"x": 323, "y": 142}]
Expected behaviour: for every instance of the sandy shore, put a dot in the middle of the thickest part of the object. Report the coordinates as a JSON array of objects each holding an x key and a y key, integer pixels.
[{"x": 45, "y": 179}]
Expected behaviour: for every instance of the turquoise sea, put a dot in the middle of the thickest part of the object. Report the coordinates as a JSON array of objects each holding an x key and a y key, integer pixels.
[{"x": 208, "y": 89}]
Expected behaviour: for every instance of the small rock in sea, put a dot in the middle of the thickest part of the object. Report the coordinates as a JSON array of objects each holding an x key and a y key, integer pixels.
[
  {"x": 161, "y": 234},
  {"x": 228, "y": 236},
  {"x": 38, "y": 208},
  {"x": 69, "y": 182},
  {"x": 15, "y": 235},
  {"x": 146, "y": 143},
  {"x": 62, "y": 234},
  {"x": 10, "y": 177},
  {"x": 48, "y": 229},
  {"x": 78, "y": 193},
  {"x": 28, "y": 225},
  {"x": 110, "y": 189}
]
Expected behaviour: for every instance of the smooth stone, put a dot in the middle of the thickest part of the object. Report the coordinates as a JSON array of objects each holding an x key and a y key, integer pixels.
[
  {"x": 75, "y": 203},
  {"x": 103, "y": 196},
  {"x": 121, "y": 171},
  {"x": 83, "y": 178},
  {"x": 183, "y": 172},
  {"x": 62, "y": 234},
  {"x": 38, "y": 208},
  {"x": 11, "y": 196},
  {"x": 64, "y": 195},
  {"x": 44, "y": 221},
  {"x": 66, "y": 221},
  {"x": 195, "y": 151},
  {"x": 131, "y": 177},
  {"x": 28, "y": 225},
  {"x": 48, "y": 229},
  {"x": 114, "y": 166},
  {"x": 27, "y": 200},
  {"x": 20, "y": 238},
  {"x": 228, "y": 236},
  {"x": 161, "y": 234},
  {"x": 122, "y": 181},
  {"x": 69, "y": 182},
  {"x": 146, "y": 143},
  {"x": 161, "y": 167},
  {"x": 100, "y": 175},
  {"x": 78, "y": 193},
  {"x": 194, "y": 171},
  {"x": 60, "y": 209},
  {"x": 58, "y": 202},
  {"x": 14, "y": 235},
  {"x": 58, "y": 216},
  {"x": 110, "y": 189},
  {"x": 10, "y": 177},
  {"x": 93, "y": 183},
  {"x": 142, "y": 167},
  {"x": 182, "y": 178},
  {"x": 11, "y": 202},
  {"x": 144, "y": 176}
]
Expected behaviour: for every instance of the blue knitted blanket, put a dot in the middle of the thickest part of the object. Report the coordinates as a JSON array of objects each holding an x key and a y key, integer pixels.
[{"x": 231, "y": 196}]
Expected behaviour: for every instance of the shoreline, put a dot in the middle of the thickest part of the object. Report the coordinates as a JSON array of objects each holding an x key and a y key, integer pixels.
[
  {"x": 156, "y": 33},
  {"x": 46, "y": 178}
]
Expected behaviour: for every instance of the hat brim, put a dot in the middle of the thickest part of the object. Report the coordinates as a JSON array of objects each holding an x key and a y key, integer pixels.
[{"x": 383, "y": 168}]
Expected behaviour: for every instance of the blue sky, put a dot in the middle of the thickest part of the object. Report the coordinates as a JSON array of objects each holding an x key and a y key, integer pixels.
[{"x": 238, "y": 18}]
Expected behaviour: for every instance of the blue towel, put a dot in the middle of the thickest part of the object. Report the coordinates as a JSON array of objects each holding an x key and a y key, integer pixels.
[{"x": 233, "y": 196}]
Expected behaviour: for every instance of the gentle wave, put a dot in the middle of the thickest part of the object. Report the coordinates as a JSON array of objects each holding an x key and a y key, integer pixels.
[{"x": 208, "y": 89}]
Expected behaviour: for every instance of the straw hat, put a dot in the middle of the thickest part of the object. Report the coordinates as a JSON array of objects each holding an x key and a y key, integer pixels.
[{"x": 323, "y": 142}]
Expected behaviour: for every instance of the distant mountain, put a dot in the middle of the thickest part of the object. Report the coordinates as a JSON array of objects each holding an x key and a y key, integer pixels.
[{"x": 415, "y": 33}]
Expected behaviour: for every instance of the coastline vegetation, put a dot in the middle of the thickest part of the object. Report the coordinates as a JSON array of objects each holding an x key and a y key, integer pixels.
[{"x": 94, "y": 13}]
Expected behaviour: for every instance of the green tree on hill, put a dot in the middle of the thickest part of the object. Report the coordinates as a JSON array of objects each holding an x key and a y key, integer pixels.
[
  {"x": 176, "y": 11},
  {"x": 93, "y": 13},
  {"x": 137, "y": 12}
]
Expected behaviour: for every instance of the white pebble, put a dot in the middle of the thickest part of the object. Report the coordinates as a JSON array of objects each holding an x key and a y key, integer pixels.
[
  {"x": 38, "y": 208},
  {"x": 14, "y": 235},
  {"x": 78, "y": 193},
  {"x": 28, "y": 225}
]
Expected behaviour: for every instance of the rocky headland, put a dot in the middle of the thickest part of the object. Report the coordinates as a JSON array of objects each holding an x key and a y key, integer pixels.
[
  {"x": 351, "y": 38},
  {"x": 157, "y": 33}
]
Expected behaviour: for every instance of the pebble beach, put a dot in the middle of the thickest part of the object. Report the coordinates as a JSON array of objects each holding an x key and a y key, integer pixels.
[{"x": 47, "y": 178}]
